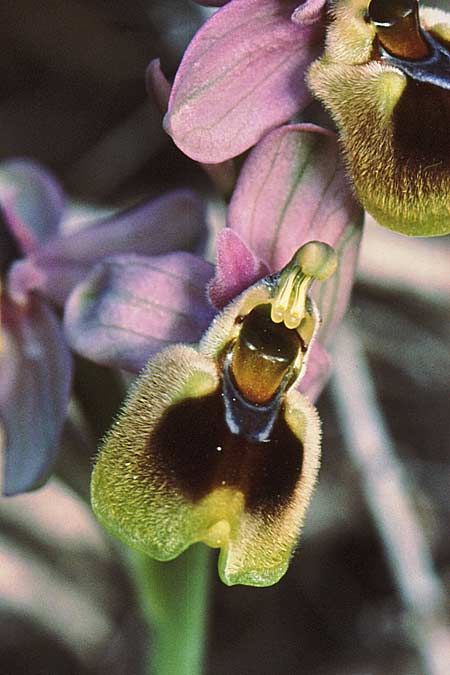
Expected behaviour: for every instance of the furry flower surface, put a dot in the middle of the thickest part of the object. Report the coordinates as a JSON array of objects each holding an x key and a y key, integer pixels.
[
  {"x": 385, "y": 78},
  {"x": 216, "y": 444}
]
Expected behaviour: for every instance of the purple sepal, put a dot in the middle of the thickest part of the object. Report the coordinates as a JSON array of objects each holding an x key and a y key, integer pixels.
[
  {"x": 236, "y": 269},
  {"x": 35, "y": 377},
  {"x": 157, "y": 85},
  {"x": 172, "y": 222},
  {"x": 293, "y": 189},
  {"x": 309, "y": 11},
  {"x": 132, "y": 306},
  {"x": 242, "y": 75},
  {"x": 32, "y": 202}
]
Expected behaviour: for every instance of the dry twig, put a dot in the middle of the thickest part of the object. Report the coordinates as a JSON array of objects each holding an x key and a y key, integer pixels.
[{"x": 385, "y": 489}]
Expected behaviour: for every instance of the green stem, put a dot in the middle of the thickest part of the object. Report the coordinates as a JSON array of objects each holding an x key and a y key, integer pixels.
[{"x": 174, "y": 597}]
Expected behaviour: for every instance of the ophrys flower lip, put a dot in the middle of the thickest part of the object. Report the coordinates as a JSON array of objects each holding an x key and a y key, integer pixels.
[
  {"x": 387, "y": 86},
  {"x": 207, "y": 449}
]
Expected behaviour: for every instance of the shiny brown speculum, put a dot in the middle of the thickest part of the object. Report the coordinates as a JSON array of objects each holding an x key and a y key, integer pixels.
[
  {"x": 263, "y": 354},
  {"x": 403, "y": 42},
  {"x": 398, "y": 28}
]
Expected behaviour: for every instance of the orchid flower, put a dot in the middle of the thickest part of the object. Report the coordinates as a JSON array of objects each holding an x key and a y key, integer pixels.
[
  {"x": 39, "y": 266},
  {"x": 193, "y": 454},
  {"x": 385, "y": 77},
  {"x": 215, "y": 444}
]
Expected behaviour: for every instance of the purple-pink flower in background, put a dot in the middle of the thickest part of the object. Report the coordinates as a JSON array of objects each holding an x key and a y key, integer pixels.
[
  {"x": 242, "y": 75},
  {"x": 39, "y": 266}
]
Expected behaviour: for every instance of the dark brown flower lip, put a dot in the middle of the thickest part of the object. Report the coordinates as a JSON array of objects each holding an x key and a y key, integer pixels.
[
  {"x": 197, "y": 453},
  {"x": 433, "y": 69}
]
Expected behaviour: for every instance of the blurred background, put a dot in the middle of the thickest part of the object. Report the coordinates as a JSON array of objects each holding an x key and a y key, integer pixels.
[
  {"x": 73, "y": 89},
  {"x": 73, "y": 97}
]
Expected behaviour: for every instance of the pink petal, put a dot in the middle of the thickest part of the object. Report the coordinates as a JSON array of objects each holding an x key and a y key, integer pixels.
[
  {"x": 35, "y": 376},
  {"x": 242, "y": 75},
  {"x": 309, "y": 12},
  {"x": 333, "y": 296},
  {"x": 32, "y": 202},
  {"x": 158, "y": 85},
  {"x": 24, "y": 276},
  {"x": 293, "y": 189},
  {"x": 130, "y": 307},
  {"x": 236, "y": 269},
  {"x": 174, "y": 221}
]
